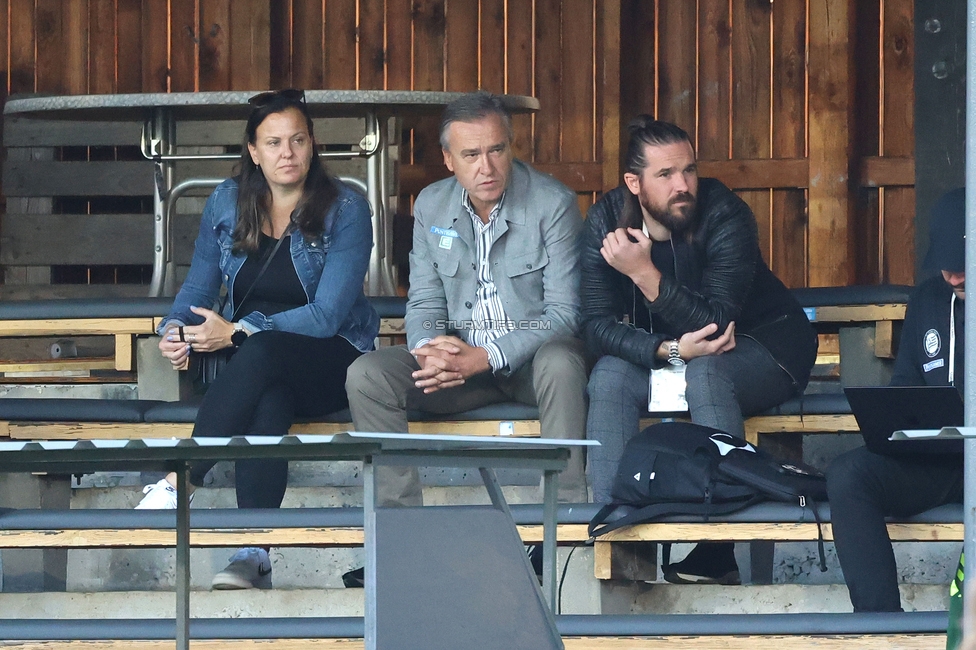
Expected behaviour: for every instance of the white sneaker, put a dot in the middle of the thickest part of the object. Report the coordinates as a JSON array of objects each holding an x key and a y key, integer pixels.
[
  {"x": 159, "y": 496},
  {"x": 249, "y": 568}
]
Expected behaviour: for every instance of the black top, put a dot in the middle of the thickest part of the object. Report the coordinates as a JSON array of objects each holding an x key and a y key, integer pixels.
[
  {"x": 712, "y": 274},
  {"x": 923, "y": 353},
  {"x": 279, "y": 289}
]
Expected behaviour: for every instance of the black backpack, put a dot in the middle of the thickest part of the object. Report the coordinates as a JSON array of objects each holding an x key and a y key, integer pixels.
[{"x": 679, "y": 468}]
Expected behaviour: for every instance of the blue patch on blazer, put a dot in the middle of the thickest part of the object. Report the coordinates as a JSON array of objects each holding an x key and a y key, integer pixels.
[{"x": 443, "y": 232}]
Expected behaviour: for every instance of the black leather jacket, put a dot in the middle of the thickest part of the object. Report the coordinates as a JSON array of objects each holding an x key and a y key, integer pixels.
[{"x": 713, "y": 274}]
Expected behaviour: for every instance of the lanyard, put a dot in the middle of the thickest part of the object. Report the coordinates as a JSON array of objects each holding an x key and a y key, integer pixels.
[{"x": 952, "y": 339}]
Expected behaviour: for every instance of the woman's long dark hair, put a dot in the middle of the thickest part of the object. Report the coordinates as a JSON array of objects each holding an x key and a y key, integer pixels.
[
  {"x": 254, "y": 194},
  {"x": 645, "y": 130}
]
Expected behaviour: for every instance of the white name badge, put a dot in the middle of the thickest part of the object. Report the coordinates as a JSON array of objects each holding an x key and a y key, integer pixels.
[{"x": 666, "y": 390}]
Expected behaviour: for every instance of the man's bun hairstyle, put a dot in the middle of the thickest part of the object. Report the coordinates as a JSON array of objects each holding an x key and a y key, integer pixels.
[{"x": 645, "y": 130}]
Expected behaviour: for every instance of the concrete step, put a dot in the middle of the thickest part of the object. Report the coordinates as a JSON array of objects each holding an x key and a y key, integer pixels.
[
  {"x": 320, "y": 474},
  {"x": 636, "y": 598},
  {"x": 316, "y": 568},
  {"x": 793, "y": 563},
  {"x": 147, "y": 574},
  {"x": 294, "y": 568},
  {"x": 616, "y": 599}
]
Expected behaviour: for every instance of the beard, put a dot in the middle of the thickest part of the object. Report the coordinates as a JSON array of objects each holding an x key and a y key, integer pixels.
[{"x": 676, "y": 218}]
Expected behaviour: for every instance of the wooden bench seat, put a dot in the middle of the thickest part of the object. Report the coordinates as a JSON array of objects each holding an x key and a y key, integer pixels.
[
  {"x": 61, "y": 418},
  {"x": 125, "y": 319},
  {"x": 914, "y": 630}
]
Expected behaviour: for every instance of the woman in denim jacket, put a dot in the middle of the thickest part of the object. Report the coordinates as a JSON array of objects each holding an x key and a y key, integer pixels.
[{"x": 291, "y": 246}]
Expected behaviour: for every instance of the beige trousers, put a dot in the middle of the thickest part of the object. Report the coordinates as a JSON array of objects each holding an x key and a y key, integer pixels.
[{"x": 381, "y": 390}]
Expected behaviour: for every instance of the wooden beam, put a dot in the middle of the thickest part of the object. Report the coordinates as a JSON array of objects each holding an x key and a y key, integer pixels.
[
  {"x": 858, "y": 313},
  {"x": 898, "y": 60},
  {"x": 125, "y": 430},
  {"x": 91, "y": 178},
  {"x": 41, "y": 239},
  {"x": 775, "y": 532},
  {"x": 57, "y": 365},
  {"x": 324, "y": 536},
  {"x": 789, "y": 215},
  {"x": 799, "y": 424},
  {"x": 76, "y": 326},
  {"x": 124, "y": 344},
  {"x": 831, "y": 122},
  {"x": 738, "y": 174},
  {"x": 520, "y": 428},
  {"x": 884, "y": 339},
  {"x": 762, "y": 173},
  {"x": 887, "y": 171},
  {"x": 608, "y": 20}
]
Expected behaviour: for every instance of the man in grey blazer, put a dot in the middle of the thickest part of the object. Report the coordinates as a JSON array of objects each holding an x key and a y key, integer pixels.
[{"x": 493, "y": 307}]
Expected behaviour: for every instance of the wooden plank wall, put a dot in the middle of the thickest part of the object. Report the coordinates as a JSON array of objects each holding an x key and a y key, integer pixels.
[
  {"x": 821, "y": 151},
  {"x": 546, "y": 48},
  {"x": 827, "y": 170}
]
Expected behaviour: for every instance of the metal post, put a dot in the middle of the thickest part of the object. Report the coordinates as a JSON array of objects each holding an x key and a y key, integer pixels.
[
  {"x": 159, "y": 132},
  {"x": 369, "y": 544},
  {"x": 182, "y": 559},
  {"x": 494, "y": 488},
  {"x": 389, "y": 277},
  {"x": 169, "y": 269},
  {"x": 378, "y": 278},
  {"x": 550, "y": 486},
  {"x": 969, "y": 500}
]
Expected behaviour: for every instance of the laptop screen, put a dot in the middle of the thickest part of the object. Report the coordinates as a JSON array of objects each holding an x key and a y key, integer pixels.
[{"x": 881, "y": 410}]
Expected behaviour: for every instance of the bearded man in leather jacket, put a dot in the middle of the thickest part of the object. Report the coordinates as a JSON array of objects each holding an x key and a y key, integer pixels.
[{"x": 672, "y": 273}]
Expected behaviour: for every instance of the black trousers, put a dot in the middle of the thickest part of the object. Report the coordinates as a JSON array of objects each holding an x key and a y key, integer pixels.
[
  {"x": 864, "y": 488},
  {"x": 273, "y": 377}
]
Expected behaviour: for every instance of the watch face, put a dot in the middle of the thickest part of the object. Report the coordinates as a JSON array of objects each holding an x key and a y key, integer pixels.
[
  {"x": 238, "y": 337},
  {"x": 677, "y": 361}
]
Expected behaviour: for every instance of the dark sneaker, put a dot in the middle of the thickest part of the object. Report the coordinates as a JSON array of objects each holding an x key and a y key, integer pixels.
[
  {"x": 706, "y": 564},
  {"x": 355, "y": 579},
  {"x": 249, "y": 568}
]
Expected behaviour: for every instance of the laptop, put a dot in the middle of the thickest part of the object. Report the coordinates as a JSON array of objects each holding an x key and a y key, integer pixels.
[{"x": 882, "y": 410}]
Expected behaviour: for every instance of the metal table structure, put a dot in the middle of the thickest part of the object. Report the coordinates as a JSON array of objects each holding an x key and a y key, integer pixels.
[
  {"x": 484, "y": 453},
  {"x": 159, "y": 139}
]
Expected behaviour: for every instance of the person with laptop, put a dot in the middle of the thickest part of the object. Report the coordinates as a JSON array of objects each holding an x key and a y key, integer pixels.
[{"x": 865, "y": 486}]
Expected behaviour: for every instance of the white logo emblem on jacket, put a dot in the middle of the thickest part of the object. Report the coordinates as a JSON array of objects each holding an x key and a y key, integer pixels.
[{"x": 932, "y": 342}]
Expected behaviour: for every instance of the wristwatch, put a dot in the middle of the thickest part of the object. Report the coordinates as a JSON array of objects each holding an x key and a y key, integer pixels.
[
  {"x": 239, "y": 335},
  {"x": 674, "y": 357}
]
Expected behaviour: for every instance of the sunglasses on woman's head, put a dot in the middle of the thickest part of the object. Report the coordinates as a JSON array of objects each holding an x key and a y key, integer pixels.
[{"x": 288, "y": 94}]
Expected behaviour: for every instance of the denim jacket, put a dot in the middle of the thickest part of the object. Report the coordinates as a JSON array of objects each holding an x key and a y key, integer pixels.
[{"x": 331, "y": 268}]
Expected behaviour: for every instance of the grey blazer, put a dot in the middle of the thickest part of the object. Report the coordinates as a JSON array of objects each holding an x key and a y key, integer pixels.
[{"x": 534, "y": 262}]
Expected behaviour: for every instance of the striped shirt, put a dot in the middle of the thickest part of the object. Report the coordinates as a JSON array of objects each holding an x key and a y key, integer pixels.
[{"x": 488, "y": 313}]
